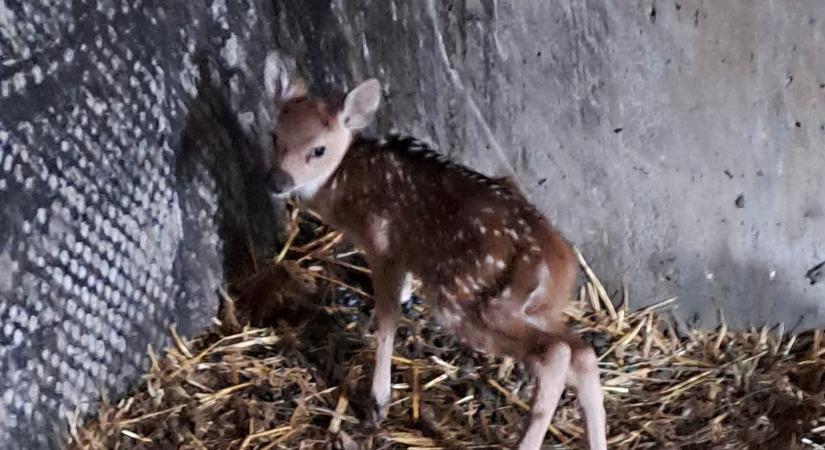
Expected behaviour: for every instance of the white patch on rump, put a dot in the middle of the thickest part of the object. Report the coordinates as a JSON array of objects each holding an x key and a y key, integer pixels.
[{"x": 539, "y": 294}]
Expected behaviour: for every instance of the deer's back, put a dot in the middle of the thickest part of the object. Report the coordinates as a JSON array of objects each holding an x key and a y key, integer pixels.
[{"x": 465, "y": 236}]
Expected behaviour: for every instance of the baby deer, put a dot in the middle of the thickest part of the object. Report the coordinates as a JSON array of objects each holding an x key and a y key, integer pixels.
[{"x": 492, "y": 268}]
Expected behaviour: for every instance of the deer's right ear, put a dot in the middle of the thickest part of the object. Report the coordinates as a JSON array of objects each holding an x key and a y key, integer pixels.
[
  {"x": 296, "y": 88},
  {"x": 280, "y": 82},
  {"x": 361, "y": 104}
]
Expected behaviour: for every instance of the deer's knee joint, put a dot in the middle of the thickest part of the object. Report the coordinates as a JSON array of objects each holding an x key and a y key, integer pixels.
[
  {"x": 554, "y": 354},
  {"x": 584, "y": 360}
]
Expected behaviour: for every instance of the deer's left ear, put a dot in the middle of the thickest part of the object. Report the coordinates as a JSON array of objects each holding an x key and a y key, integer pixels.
[
  {"x": 280, "y": 81},
  {"x": 360, "y": 104}
]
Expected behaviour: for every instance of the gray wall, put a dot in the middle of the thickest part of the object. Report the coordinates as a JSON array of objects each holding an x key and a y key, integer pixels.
[
  {"x": 635, "y": 126},
  {"x": 129, "y": 138},
  {"x": 131, "y": 134}
]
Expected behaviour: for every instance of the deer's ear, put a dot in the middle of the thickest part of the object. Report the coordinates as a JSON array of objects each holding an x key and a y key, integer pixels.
[
  {"x": 297, "y": 87},
  {"x": 360, "y": 104},
  {"x": 280, "y": 81}
]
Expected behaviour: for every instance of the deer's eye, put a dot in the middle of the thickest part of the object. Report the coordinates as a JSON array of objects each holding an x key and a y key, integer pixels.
[{"x": 318, "y": 151}]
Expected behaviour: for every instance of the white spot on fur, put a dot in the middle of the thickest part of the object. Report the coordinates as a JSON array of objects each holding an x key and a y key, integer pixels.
[
  {"x": 489, "y": 259},
  {"x": 500, "y": 264},
  {"x": 535, "y": 249},
  {"x": 380, "y": 234},
  {"x": 497, "y": 232},
  {"x": 460, "y": 284},
  {"x": 472, "y": 282},
  {"x": 512, "y": 233},
  {"x": 480, "y": 225},
  {"x": 447, "y": 294},
  {"x": 406, "y": 288},
  {"x": 450, "y": 318}
]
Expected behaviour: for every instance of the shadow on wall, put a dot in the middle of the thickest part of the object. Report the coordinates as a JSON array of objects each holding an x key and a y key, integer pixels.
[{"x": 217, "y": 149}]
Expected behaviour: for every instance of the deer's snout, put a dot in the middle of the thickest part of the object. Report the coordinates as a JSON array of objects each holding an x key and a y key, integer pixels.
[{"x": 280, "y": 182}]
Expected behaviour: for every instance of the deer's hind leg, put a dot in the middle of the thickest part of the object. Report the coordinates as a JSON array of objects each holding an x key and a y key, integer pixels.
[
  {"x": 584, "y": 377},
  {"x": 550, "y": 367}
]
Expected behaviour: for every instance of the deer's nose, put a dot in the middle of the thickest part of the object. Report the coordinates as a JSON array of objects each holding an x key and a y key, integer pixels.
[{"x": 280, "y": 182}]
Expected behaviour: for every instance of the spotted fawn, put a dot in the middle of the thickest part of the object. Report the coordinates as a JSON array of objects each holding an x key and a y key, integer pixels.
[{"x": 492, "y": 268}]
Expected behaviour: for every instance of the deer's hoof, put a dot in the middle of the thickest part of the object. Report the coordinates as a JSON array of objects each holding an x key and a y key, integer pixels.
[{"x": 377, "y": 412}]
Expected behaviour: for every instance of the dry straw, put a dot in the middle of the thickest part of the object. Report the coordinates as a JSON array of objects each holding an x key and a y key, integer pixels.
[{"x": 302, "y": 381}]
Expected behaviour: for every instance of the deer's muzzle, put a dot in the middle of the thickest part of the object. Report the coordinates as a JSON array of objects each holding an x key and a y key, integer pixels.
[{"x": 280, "y": 182}]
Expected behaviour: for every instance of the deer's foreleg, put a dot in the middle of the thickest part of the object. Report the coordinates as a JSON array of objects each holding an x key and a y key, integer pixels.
[{"x": 387, "y": 290}]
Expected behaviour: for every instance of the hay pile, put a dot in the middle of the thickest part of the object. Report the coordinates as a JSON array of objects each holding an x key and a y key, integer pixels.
[{"x": 303, "y": 383}]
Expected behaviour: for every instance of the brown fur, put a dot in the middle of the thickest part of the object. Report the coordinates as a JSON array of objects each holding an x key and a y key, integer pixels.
[
  {"x": 493, "y": 269},
  {"x": 434, "y": 231}
]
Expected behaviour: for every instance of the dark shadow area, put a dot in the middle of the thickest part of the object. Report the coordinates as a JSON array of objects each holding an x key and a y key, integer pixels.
[
  {"x": 215, "y": 151},
  {"x": 294, "y": 38}
]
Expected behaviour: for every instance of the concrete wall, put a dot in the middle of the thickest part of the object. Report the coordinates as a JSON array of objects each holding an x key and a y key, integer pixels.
[
  {"x": 679, "y": 144},
  {"x": 129, "y": 138}
]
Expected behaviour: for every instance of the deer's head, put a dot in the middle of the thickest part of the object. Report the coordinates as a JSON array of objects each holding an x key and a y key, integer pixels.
[{"x": 313, "y": 135}]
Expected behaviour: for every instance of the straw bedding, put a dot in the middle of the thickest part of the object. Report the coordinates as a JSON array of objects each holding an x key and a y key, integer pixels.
[{"x": 298, "y": 377}]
